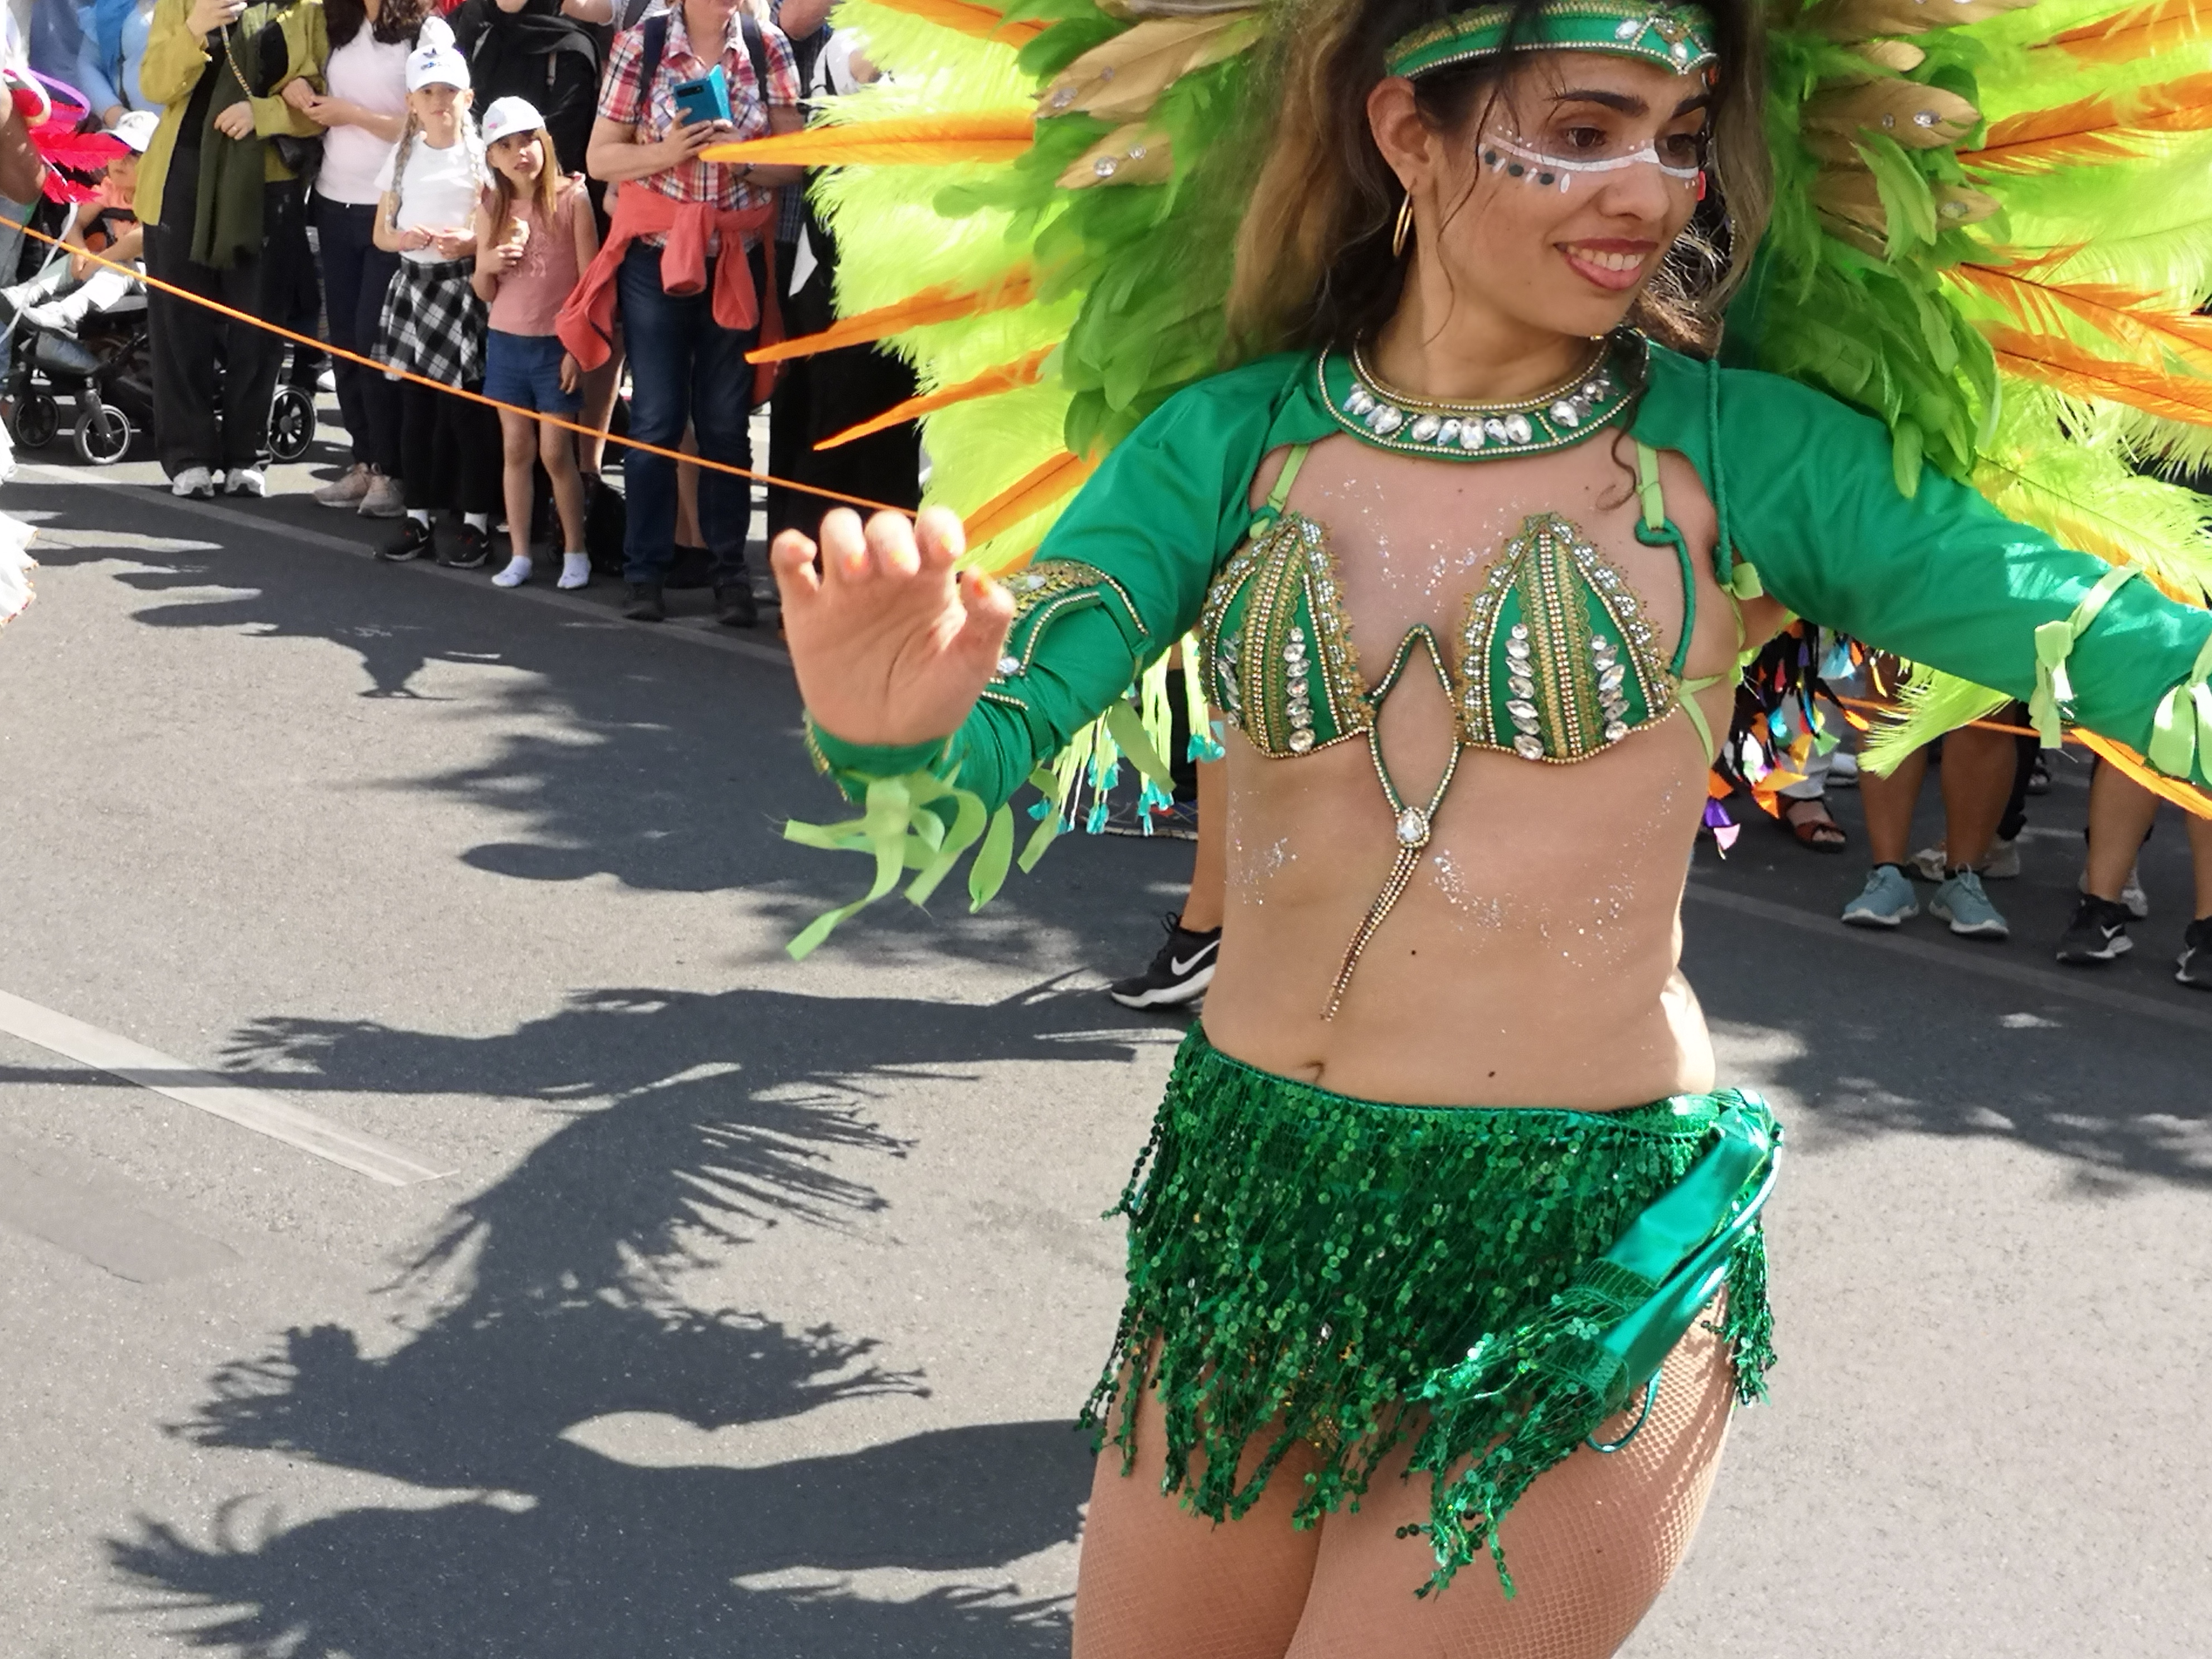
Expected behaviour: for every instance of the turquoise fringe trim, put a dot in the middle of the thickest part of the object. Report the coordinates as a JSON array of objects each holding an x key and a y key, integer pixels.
[{"x": 1320, "y": 1269}]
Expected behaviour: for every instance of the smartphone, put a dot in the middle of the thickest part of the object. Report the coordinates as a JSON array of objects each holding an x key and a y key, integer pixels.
[{"x": 707, "y": 99}]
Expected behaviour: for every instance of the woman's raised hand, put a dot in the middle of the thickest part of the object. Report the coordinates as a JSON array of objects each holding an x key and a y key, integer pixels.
[{"x": 891, "y": 644}]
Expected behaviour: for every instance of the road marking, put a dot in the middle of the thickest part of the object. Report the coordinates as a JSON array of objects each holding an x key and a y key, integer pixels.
[
  {"x": 211, "y": 1092},
  {"x": 697, "y": 630},
  {"x": 2077, "y": 988}
]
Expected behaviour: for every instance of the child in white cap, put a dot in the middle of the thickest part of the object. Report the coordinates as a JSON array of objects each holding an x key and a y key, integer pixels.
[
  {"x": 535, "y": 235},
  {"x": 434, "y": 324}
]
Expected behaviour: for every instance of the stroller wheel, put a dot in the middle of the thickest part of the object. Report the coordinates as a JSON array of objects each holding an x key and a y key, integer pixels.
[
  {"x": 291, "y": 423},
  {"x": 103, "y": 433},
  {"x": 36, "y": 419}
]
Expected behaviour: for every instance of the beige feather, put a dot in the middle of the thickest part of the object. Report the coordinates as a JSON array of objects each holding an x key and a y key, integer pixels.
[{"x": 1122, "y": 78}]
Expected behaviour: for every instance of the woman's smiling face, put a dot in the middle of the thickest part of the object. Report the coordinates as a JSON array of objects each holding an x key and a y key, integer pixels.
[{"x": 1555, "y": 203}]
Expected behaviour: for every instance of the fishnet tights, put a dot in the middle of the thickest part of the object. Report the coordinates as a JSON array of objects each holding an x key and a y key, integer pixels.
[{"x": 1591, "y": 1544}]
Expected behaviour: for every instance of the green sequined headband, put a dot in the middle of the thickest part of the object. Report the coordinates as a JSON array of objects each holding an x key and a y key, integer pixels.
[{"x": 1678, "y": 38}]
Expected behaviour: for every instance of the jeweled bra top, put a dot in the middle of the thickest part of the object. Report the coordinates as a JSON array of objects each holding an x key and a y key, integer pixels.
[{"x": 1555, "y": 660}]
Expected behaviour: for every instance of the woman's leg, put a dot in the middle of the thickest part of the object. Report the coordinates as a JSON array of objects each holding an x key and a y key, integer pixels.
[
  {"x": 1591, "y": 1545},
  {"x": 2121, "y": 812},
  {"x": 339, "y": 233},
  {"x": 1209, "y": 870},
  {"x": 1159, "y": 1583},
  {"x": 1979, "y": 766},
  {"x": 602, "y": 386},
  {"x": 517, "y": 436},
  {"x": 1888, "y": 804}
]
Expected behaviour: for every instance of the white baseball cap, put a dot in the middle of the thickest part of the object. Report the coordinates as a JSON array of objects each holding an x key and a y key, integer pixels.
[
  {"x": 135, "y": 128},
  {"x": 508, "y": 116},
  {"x": 436, "y": 62}
]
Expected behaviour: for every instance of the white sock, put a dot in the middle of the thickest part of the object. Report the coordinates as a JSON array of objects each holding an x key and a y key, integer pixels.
[
  {"x": 516, "y": 573},
  {"x": 477, "y": 521},
  {"x": 421, "y": 515},
  {"x": 576, "y": 570}
]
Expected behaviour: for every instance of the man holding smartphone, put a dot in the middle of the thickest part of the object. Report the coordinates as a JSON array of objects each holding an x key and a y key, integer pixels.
[{"x": 686, "y": 260}]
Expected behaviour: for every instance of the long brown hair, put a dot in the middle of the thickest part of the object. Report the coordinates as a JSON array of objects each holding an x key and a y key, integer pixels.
[
  {"x": 546, "y": 197},
  {"x": 1313, "y": 266}
]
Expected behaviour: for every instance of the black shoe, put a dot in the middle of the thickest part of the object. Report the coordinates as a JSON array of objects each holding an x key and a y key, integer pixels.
[
  {"x": 2195, "y": 967},
  {"x": 2098, "y": 932},
  {"x": 414, "y": 540},
  {"x": 1181, "y": 973},
  {"x": 735, "y": 606},
  {"x": 690, "y": 567},
  {"x": 475, "y": 549},
  {"x": 641, "y": 602}
]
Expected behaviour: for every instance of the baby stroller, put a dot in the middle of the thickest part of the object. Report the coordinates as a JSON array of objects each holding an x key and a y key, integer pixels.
[{"x": 105, "y": 371}]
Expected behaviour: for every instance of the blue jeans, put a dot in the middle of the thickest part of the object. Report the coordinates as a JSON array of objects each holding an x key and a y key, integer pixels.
[{"x": 684, "y": 366}]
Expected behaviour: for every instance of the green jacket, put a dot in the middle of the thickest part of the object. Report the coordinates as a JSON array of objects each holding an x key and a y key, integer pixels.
[
  {"x": 1805, "y": 491},
  {"x": 176, "y": 59}
]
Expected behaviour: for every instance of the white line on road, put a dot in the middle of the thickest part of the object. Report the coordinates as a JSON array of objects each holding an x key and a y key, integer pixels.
[
  {"x": 697, "y": 630},
  {"x": 211, "y": 1092},
  {"x": 2079, "y": 988}
]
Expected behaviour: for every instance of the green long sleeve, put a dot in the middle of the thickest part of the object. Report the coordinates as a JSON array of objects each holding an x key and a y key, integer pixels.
[
  {"x": 1119, "y": 581},
  {"x": 1807, "y": 493}
]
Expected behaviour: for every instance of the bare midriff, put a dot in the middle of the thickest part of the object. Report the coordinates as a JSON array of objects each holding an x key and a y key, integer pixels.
[{"x": 1535, "y": 959}]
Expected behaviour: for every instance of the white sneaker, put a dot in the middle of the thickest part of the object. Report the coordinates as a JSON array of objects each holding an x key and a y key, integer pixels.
[
  {"x": 347, "y": 489},
  {"x": 516, "y": 573},
  {"x": 195, "y": 483},
  {"x": 2000, "y": 863},
  {"x": 575, "y": 571},
  {"x": 384, "y": 498},
  {"x": 244, "y": 481}
]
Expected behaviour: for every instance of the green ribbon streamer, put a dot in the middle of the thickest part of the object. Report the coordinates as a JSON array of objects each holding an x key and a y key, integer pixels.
[
  {"x": 2054, "y": 644},
  {"x": 2182, "y": 730},
  {"x": 902, "y": 832}
]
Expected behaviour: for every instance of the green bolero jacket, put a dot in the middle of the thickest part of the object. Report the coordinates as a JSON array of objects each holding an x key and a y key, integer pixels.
[{"x": 1806, "y": 493}]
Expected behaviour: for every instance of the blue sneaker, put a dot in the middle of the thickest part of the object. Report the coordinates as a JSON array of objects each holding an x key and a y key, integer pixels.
[
  {"x": 1961, "y": 902},
  {"x": 1885, "y": 901}
]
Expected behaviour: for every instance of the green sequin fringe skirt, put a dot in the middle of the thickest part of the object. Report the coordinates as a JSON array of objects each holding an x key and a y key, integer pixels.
[{"x": 1310, "y": 1267}]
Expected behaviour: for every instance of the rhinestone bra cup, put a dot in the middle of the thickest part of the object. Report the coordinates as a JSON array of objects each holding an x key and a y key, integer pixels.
[{"x": 1557, "y": 659}]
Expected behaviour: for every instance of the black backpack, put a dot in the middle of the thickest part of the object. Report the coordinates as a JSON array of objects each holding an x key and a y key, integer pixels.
[{"x": 655, "y": 28}]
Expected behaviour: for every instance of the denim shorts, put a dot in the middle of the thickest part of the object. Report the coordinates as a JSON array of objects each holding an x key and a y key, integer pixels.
[{"x": 525, "y": 370}]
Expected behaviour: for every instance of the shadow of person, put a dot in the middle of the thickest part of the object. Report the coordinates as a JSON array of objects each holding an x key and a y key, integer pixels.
[{"x": 689, "y": 1119}]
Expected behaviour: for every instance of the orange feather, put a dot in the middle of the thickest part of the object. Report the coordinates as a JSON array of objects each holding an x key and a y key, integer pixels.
[
  {"x": 2187, "y": 796},
  {"x": 979, "y": 21},
  {"x": 1035, "y": 490},
  {"x": 1005, "y": 378},
  {"x": 901, "y": 140},
  {"x": 2066, "y": 367},
  {"x": 2094, "y": 129},
  {"x": 2139, "y": 32},
  {"x": 2118, "y": 314},
  {"x": 941, "y": 304}
]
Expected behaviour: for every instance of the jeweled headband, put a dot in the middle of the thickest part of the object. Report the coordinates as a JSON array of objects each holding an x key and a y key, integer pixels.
[{"x": 1677, "y": 38}]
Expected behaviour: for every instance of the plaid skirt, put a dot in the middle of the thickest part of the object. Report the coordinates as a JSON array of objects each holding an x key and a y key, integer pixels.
[{"x": 434, "y": 324}]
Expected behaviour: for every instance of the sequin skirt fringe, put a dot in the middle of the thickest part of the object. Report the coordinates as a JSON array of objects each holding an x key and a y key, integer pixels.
[{"x": 1309, "y": 1267}]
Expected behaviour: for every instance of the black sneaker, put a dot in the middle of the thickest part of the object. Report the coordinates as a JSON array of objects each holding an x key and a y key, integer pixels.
[
  {"x": 2195, "y": 961},
  {"x": 641, "y": 602},
  {"x": 414, "y": 540},
  {"x": 1179, "y": 973},
  {"x": 735, "y": 606},
  {"x": 475, "y": 548},
  {"x": 2098, "y": 932}
]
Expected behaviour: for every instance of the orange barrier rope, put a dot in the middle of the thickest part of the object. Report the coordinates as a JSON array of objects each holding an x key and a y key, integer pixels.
[{"x": 389, "y": 372}]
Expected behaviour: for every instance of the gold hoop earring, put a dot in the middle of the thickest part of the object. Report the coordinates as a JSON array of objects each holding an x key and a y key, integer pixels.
[{"x": 1402, "y": 232}]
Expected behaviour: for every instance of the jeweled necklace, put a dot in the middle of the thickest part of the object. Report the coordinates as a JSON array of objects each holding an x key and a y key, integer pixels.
[{"x": 1378, "y": 413}]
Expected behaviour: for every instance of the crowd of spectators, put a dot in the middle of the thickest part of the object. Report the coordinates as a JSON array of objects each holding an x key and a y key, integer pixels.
[{"x": 504, "y": 198}]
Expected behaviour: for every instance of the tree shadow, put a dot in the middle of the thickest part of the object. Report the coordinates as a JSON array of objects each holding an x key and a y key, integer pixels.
[
  {"x": 594, "y": 746},
  {"x": 546, "y": 1301}
]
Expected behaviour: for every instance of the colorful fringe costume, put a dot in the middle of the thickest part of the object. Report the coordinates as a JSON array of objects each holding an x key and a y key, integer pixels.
[{"x": 1971, "y": 314}]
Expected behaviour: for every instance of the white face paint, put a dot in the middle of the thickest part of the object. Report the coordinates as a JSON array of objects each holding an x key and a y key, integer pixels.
[{"x": 1518, "y": 161}]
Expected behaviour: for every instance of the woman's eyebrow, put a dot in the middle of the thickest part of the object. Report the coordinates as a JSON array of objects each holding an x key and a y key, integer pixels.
[{"x": 1626, "y": 103}]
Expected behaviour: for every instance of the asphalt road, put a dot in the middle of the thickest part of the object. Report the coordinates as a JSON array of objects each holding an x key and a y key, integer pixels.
[{"x": 748, "y": 1303}]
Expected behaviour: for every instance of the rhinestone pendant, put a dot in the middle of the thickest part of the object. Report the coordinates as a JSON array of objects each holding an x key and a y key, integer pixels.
[{"x": 1412, "y": 828}]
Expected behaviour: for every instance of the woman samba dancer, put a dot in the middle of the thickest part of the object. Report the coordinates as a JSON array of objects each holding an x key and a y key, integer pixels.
[{"x": 1472, "y": 563}]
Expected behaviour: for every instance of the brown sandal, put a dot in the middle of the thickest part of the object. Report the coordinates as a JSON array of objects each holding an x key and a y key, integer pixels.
[{"x": 1822, "y": 833}]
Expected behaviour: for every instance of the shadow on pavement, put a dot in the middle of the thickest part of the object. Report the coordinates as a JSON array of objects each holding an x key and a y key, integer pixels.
[
  {"x": 550, "y": 1305},
  {"x": 666, "y": 765}
]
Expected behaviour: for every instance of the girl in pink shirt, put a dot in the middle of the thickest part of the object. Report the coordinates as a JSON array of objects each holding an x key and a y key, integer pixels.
[{"x": 535, "y": 234}]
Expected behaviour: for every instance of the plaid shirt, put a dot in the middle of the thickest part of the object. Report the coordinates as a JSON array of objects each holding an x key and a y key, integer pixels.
[{"x": 651, "y": 110}]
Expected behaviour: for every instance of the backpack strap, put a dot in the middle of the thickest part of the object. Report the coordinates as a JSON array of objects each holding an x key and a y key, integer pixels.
[
  {"x": 655, "y": 44},
  {"x": 757, "y": 52}
]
